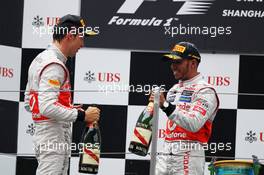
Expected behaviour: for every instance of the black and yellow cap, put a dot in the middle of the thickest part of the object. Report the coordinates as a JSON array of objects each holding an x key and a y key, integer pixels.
[
  {"x": 183, "y": 50},
  {"x": 74, "y": 21}
]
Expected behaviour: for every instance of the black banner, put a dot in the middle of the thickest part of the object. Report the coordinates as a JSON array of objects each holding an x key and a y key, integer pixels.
[{"x": 230, "y": 26}]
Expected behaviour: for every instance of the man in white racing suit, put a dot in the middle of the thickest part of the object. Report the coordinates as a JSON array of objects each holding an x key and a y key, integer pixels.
[
  {"x": 190, "y": 106},
  {"x": 48, "y": 98}
]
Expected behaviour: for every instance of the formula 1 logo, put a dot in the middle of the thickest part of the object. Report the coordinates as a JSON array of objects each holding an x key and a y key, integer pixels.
[{"x": 190, "y": 7}]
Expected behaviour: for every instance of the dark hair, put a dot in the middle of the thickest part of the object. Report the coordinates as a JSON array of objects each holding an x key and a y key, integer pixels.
[{"x": 60, "y": 31}]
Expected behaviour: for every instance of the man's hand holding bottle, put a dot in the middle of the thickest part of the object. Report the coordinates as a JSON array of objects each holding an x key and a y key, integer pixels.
[
  {"x": 162, "y": 98},
  {"x": 92, "y": 114}
]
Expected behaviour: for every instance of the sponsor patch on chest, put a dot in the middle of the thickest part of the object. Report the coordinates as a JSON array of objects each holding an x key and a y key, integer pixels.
[{"x": 186, "y": 96}]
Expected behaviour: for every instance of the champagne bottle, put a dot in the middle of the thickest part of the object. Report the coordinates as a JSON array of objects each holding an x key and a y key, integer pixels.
[
  {"x": 142, "y": 135},
  {"x": 91, "y": 144}
]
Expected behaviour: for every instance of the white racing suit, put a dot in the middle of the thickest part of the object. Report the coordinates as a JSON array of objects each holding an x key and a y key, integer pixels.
[
  {"x": 48, "y": 97},
  {"x": 194, "y": 105}
]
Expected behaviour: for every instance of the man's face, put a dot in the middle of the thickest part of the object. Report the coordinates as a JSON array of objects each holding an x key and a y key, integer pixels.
[
  {"x": 181, "y": 69},
  {"x": 75, "y": 43}
]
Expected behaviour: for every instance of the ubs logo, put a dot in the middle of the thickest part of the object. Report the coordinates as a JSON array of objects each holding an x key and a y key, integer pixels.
[
  {"x": 51, "y": 21},
  {"x": 39, "y": 21},
  {"x": 6, "y": 72},
  {"x": 89, "y": 76},
  {"x": 219, "y": 80},
  {"x": 108, "y": 77},
  {"x": 253, "y": 137},
  {"x": 31, "y": 129}
]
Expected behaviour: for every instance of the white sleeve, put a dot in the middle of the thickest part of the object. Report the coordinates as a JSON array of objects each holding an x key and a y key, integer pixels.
[
  {"x": 48, "y": 95},
  {"x": 26, "y": 99},
  {"x": 203, "y": 107}
]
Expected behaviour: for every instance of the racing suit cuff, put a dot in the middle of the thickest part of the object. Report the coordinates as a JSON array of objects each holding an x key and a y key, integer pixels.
[
  {"x": 169, "y": 110},
  {"x": 80, "y": 115},
  {"x": 27, "y": 107}
]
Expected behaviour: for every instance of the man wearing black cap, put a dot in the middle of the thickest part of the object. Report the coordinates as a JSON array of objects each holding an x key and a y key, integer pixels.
[
  {"x": 190, "y": 106},
  {"x": 48, "y": 97}
]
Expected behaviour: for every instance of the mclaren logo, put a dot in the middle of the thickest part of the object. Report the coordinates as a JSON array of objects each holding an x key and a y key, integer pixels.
[{"x": 190, "y": 7}]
